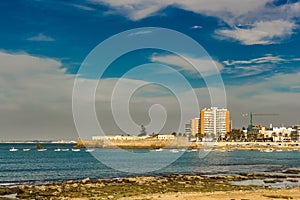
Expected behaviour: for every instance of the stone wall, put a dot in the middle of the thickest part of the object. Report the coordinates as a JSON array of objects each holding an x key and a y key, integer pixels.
[{"x": 178, "y": 142}]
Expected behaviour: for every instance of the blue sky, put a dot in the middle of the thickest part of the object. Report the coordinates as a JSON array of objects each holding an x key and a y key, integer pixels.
[{"x": 255, "y": 44}]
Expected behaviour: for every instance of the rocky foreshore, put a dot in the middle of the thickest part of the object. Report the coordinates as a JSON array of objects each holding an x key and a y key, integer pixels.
[{"x": 144, "y": 187}]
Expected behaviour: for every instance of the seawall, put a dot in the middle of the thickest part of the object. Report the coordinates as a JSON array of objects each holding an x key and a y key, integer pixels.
[
  {"x": 183, "y": 143},
  {"x": 151, "y": 143}
]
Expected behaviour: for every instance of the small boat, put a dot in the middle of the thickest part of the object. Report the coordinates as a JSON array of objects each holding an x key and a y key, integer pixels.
[
  {"x": 89, "y": 150},
  {"x": 26, "y": 149},
  {"x": 174, "y": 151},
  {"x": 40, "y": 147},
  {"x": 268, "y": 150},
  {"x": 13, "y": 149},
  {"x": 279, "y": 150},
  {"x": 230, "y": 150},
  {"x": 65, "y": 149},
  {"x": 207, "y": 150},
  {"x": 42, "y": 150},
  {"x": 76, "y": 150},
  {"x": 57, "y": 150},
  {"x": 158, "y": 150}
]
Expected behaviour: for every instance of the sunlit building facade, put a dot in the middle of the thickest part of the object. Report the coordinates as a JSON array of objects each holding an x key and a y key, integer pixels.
[
  {"x": 214, "y": 122},
  {"x": 195, "y": 127}
]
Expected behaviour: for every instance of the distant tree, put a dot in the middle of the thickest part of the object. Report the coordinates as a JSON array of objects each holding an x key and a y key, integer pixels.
[
  {"x": 143, "y": 131},
  {"x": 235, "y": 134},
  {"x": 174, "y": 133},
  {"x": 252, "y": 135}
]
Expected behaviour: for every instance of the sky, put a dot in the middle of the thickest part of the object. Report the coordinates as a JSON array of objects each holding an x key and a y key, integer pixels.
[{"x": 254, "y": 46}]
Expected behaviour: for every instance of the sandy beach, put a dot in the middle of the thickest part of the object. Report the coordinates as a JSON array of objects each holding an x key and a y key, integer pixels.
[{"x": 261, "y": 194}]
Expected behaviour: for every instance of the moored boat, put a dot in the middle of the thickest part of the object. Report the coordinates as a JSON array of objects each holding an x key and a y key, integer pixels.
[
  {"x": 65, "y": 149},
  {"x": 76, "y": 150},
  {"x": 158, "y": 150},
  {"x": 26, "y": 149},
  {"x": 13, "y": 149},
  {"x": 268, "y": 150},
  {"x": 42, "y": 150},
  {"x": 174, "y": 150},
  {"x": 57, "y": 150}
]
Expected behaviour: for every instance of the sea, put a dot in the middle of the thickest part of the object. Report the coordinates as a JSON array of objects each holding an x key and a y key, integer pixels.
[{"x": 42, "y": 167}]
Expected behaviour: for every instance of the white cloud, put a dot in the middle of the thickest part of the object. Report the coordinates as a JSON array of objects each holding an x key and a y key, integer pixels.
[
  {"x": 205, "y": 65},
  {"x": 263, "y": 32},
  {"x": 139, "y": 9},
  {"x": 87, "y": 8},
  {"x": 265, "y": 59},
  {"x": 245, "y": 71},
  {"x": 268, "y": 23},
  {"x": 255, "y": 66},
  {"x": 35, "y": 98},
  {"x": 41, "y": 38},
  {"x": 277, "y": 94}
]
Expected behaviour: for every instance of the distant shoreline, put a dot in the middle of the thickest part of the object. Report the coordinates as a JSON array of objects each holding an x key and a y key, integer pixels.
[
  {"x": 170, "y": 144},
  {"x": 183, "y": 143},
  {"x": 38, "y": 142}
]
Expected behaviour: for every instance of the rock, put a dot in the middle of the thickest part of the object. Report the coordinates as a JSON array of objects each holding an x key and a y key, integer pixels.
[
  {"x": 100, "y": 185},
  {"x": 5, "y": 191},
  {"x": 59, "y": 189},
  {"x": 75, "y": 185},
  {"x": 293, "y": 180},
  {"x": 42, "y": 188},
  {"x": 110, "y": 197},
  {"x": 291, "y": 171},
  {"x": 85, "y": 180},
  {"x": 273, "y": 181},
  {"x": 69, "y": 182}
]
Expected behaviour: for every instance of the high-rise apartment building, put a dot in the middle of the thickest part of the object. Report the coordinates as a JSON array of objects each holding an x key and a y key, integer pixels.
[
  {"x": 214, "y": 122},
  {"x": 195, "y": 127}
]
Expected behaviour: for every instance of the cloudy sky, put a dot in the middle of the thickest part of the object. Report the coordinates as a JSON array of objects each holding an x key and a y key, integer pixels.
[{"x": 254, "y": 45}]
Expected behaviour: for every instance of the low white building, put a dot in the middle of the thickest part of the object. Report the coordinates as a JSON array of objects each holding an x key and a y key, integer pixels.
[
  {"x": 278, "y": 134},
  {"x": 118, "y": 137},
  {"x": 165, "y": 137}
]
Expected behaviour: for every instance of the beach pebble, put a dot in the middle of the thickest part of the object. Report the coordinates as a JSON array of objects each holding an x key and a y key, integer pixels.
[{"x": 85, "y": 180}]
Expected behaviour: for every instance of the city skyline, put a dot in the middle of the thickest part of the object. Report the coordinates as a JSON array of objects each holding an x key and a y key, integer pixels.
[{"x": 43, "y": 44}]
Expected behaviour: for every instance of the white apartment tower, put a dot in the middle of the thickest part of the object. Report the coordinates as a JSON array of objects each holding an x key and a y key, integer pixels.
[{"x": 214, "y": 122}]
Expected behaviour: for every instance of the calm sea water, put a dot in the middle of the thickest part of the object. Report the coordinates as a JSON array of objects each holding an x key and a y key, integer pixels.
[{"x": 33, "y": 167}]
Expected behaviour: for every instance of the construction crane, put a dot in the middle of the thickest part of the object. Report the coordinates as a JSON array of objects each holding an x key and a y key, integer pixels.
[{"x": 250, "y": 127}]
